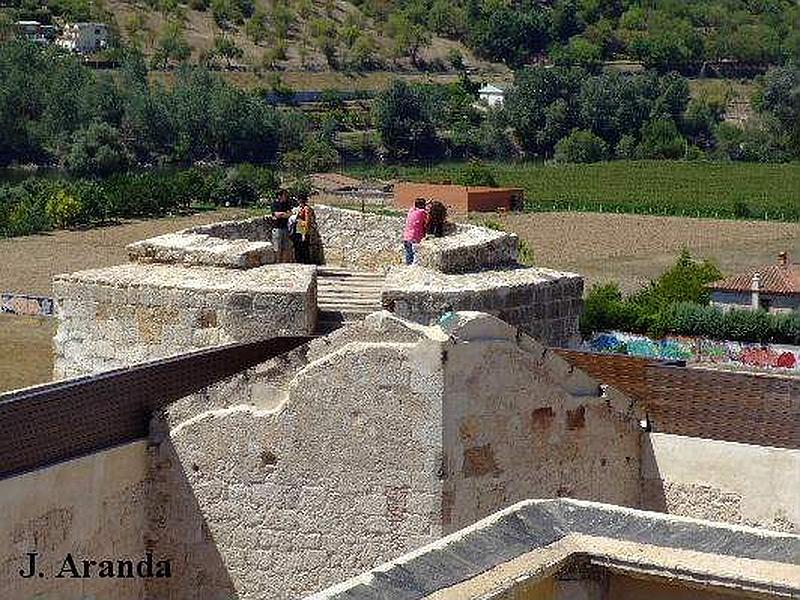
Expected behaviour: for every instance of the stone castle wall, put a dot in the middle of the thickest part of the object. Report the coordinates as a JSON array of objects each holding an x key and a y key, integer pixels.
[
  {"x": 543, "y": 303},
  {"x": 127, "y": 314},
  {"x": 458, "y": 424},
  {"x": 374, "y": 241}
]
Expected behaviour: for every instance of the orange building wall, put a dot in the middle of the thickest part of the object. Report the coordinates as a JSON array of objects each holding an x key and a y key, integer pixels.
[{"x": 457, "y": 198}]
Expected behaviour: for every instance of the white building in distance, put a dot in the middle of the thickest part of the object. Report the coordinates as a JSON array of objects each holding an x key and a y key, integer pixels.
[
  {"x": 84, "y": 38},
  {"x": 491, "y": 95}
]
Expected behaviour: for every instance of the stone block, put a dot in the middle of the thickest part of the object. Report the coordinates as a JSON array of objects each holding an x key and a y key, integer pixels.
[{"x": 171, "y": 309}]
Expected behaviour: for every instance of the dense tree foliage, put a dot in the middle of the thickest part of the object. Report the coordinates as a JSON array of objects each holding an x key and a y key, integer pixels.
[
  {"x": 53, "y": 110},
  {"x": 668, "y": 35}
]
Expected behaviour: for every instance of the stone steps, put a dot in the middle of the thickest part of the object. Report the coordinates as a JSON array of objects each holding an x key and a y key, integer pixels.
[{"x": 345, "y": 296}]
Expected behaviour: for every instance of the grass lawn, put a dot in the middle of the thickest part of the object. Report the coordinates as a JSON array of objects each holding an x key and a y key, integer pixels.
[{"x": 693, "y": 189}]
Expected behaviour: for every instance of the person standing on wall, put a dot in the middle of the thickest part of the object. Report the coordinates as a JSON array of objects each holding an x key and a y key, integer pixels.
[
  {"x": 415, "y": 230},
  {"x": 304, "y": 229},
  {"x": 281, "y": 211},
  {"x": 437, "y": 216}
]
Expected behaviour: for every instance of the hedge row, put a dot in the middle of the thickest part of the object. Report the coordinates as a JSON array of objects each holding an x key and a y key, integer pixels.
[
  {"x": 40, "y": 204},
  {"x": 685, "y": 318}
]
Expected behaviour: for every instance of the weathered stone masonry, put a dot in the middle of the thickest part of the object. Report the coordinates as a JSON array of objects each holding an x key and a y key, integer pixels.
[
  {"x": 127, "y": 314},
  {"x": 458, "y": 424}
]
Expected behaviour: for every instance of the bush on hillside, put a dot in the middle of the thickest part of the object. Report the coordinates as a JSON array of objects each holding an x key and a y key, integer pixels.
[
  {"x": 581, "y": 147},
  {"x": 476, "y": 174}
]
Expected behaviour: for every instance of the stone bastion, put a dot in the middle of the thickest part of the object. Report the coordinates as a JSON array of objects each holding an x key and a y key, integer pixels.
[{"x": 220, "y": 283}]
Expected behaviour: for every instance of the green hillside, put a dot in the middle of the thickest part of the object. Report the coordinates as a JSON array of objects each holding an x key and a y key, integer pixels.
[{"x": 420, "y": 35}]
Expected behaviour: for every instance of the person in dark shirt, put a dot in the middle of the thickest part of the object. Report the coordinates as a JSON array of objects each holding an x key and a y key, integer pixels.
[
  {"x": 437, "y": 216},
  {"x": 281, "y": 211}
]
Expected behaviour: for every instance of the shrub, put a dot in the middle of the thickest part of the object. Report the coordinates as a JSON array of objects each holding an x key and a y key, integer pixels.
[
  {"x": 660, "y": 139},
  {"x": 63, "y": 209},
  {"x": 626, "y": 147},
  {"x": 581, "y": 146},
  {"x": 97, "y": 150},
  {"x": 476, "y": 174}
]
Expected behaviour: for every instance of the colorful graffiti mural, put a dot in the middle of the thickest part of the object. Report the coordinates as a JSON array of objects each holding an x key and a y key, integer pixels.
[
  {"x": 22, "y": 304},
  {"x": 698, "y": 350}
]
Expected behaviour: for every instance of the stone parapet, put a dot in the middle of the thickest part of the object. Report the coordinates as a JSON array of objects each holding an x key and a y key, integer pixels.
[
  {"x": 469, "y": 248},
  {"x": 357, "y": 239},
  {"x": 123, "y": 315},
  {"x": 373, "y": 241},
  {"x": 255, "y": 229},
  {"x": 544, "y": 303},
  {"x": 200, "y": 249}
]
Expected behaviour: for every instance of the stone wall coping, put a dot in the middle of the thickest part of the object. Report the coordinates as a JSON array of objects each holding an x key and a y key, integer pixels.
[
  {"x": 421, "y": 279},
  {"x": 269, "y": 278},
  {"x": 656, "y": 544},
  {"x": 210, "y": 227}
]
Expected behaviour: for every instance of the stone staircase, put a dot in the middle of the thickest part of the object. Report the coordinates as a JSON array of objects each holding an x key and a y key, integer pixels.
[{"x": 345, "y": 296}]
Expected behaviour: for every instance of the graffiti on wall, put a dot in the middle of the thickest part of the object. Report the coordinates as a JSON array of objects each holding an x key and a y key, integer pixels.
[
  {"x": 22, "y": 304},
  {"x": 698, "y": 350}
]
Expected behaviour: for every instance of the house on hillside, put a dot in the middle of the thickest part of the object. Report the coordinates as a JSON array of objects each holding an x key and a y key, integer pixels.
[
  {"x": 491, "y": 95},
  {"x": 774, "y": 288},
  {"x": 35, "y": 32},
  {"x": 84, "y": 38}
]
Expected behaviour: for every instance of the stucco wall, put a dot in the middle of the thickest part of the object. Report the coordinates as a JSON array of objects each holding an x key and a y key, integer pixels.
[
  {"x": 519, "y": 423},
  {"x": 307, "y": 471},
  {"x": 290, "y": 498},
  {"x": 123, "y": 315},
  {"x": 723, "y": 481},
  {"x": 93, "y": 507}
]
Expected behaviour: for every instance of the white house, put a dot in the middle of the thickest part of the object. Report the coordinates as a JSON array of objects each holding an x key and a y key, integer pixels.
[
  {"x": 35, "y": 32},
  {"x": 774, "y": 288},
  {"x": 84, "y": 37},
  {"x": 491, "y": 95}
]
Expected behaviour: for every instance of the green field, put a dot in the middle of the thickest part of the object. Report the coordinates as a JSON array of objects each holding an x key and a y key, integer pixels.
[{"x": 693, "y": 189}]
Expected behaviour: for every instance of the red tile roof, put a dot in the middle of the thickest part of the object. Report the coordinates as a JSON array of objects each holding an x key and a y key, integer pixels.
[{"x": 773, "y": 279}]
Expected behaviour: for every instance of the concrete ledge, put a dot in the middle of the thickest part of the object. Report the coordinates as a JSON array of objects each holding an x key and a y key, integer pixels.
[
  {"x": 201, "y": 249},
  {"x": 741, "y": 559},
  {"x": 543, "y": 303},
  {"x": 159, "y": 310}
]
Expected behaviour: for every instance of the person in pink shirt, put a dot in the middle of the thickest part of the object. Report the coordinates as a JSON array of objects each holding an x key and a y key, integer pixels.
[{"x": 416, "y": 222}]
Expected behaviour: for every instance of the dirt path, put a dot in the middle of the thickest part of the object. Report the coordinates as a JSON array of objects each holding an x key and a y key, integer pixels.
[{"x": 634, "y": 249}]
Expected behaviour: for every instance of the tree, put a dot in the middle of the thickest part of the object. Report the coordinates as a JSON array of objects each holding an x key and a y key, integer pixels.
[
  {"x": 325, "y": 38},
  {"x": 227, "y": 49},
  {"x": 172, "y": 45},
  {"x": 409, "y": 36},
  {"x": 97, "y": 150},
  {"x": 780, "y": 100},
  {"x": 581, "y": 146},
  {"x": 364, "y": 53},
  {"x": 660, "y": 139},
  {"x": 509, "y": 33},
  {"x": 579, "y": 52},
  {"x": 404, "y": 123},
  {"x": 541, "y": 106}
]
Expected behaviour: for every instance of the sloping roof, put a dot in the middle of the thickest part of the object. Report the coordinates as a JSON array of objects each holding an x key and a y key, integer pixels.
[
  {"x": 534, "y": 538},
  {"x": 491, "y": 89},
  {"x": 773, "y": 279}
]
